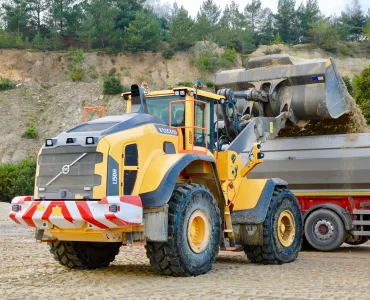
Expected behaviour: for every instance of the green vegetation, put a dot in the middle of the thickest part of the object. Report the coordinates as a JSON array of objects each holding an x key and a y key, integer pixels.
[
  {"x": 228, "y": 58},
  {"x": 185, "y": 83},
  {"x": 77, "y": 73},
  {"x": 362, "y": 92},
  {"x": 143, "y": 34},
  {"x": 324, "y": 35},
  {"x": 31, "y": 132},
  {"x": 348, "y": 84},
  {"x": 6, "y": 84},
  {"x": 270, "y": 51},
  {"x": 168, "y": 53},
  {"x": 17, "y": 179},
  {"x": 112, "y": 86},
  {"x": 277, "y": 40},
  {"x": 208, "y": 59},
  {"x": 140, "y": 25}
]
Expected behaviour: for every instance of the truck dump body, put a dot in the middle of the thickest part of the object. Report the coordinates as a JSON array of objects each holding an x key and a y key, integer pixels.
[{"x": 318, "y": 163}]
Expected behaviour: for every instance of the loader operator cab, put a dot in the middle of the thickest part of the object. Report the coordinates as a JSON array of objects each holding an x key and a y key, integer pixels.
[{"x": 191, "y": 112}]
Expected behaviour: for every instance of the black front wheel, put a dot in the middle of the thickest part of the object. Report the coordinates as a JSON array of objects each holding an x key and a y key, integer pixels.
[
  {"x": 282, "y": 231},
  {"x": 194, "y": 233},
  {"x": 84, "y": 255}
]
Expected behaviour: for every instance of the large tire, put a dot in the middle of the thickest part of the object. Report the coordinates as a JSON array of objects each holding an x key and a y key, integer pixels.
[
  {"x": 324, "y": 230},
  {"x": 180, "y": 255},
  {"x": 275, "y": 250},
  {"x": 84, "y": 255}
]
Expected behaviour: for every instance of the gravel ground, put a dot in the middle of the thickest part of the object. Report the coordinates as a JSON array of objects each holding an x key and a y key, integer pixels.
[{"x": 27, "y": 271}]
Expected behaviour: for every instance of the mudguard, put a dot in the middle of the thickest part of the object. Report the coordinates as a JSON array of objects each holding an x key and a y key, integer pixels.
[
  {"x": 161, "y": 195},
  {"x": 257, "y": 215}
]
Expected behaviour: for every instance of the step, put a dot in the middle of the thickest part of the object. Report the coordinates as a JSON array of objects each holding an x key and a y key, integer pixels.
[
  {"x": 361, "y": 233},
  {"x": 228, "y": 230},
  {"x": 361, "y": 222},
  {"x": 361, "y": 211}
]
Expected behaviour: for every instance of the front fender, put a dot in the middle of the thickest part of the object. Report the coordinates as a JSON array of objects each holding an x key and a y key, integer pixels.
[
  {"x": 257, "y": 214},
  {"x": 162, "y": 174}
]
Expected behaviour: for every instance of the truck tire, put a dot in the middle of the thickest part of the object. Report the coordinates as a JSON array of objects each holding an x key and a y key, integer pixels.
[
  {"x": 362, "y": 240},
  {"x": 194, "y": 233},
  {"x": 324, "y": 230},
  {"x": 84, "y": 255},
  {"x": 282, "y": 231}
]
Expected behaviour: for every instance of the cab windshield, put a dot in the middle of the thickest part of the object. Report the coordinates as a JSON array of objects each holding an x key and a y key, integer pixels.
[{"x": 159, "y": 107}]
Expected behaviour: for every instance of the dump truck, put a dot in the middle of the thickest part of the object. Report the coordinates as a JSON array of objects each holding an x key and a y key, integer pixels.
[
  {"x": 330, "y": 177},
  {"x": 162, "y": 174}
]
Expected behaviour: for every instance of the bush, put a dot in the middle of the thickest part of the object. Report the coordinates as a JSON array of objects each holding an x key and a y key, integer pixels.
[
  {"x": 348, "y": 84},
  {"x": 209, "y": 84},
  {"x": 168, "y": 53},
  {"x": 228, "y": 58},
  {"x": 77, "y": 72},
  {"x": 362, "y": 92},
  {"x": 185, "y": 83},
  {"x": 272, "y": 51},
  {"x": 112, "y": 86},
  {"x": 6, "y": 84},
  {"x": 207, "y": 59},
  {"x": 277, "y": 40},
  {"x": 31, "y": 132},
  {"x": 17, "y": 179},
  {"x": 344, "y": 50},
  {"x": 324, "y": 35}
]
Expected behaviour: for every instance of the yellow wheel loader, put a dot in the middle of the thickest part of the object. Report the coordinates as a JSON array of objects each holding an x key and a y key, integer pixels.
[{"x": 162, "y": 175}]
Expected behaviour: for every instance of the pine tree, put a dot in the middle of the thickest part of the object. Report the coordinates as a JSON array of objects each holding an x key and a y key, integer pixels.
[
  {"x": 352, "y": 21},
  {"x": 37, "y": 9},
  {"x": 234, "y": 31},
  {"x": 143, "y": 34},
  {"x": 98, "y": 28},
  {"x": 307, "y": 14},
  {"x": 58, "y": 14},
  {"x": 207, "y": 19},
  {"x": 181, "y": 35},
  {"x": 285, "y": 20},
  {"x": 267, "y": 31},
  {"x": 16, "y": 16}
]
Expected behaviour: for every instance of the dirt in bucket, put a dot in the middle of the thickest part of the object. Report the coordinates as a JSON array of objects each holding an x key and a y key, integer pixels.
[{"x": 352, "y": 122}]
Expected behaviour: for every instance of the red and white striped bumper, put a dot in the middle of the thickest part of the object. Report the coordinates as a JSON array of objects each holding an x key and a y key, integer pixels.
[{"x": 110, "y": 212}]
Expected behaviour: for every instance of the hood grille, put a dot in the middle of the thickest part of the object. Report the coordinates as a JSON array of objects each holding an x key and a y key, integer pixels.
[{"x": 79, "y": 175}]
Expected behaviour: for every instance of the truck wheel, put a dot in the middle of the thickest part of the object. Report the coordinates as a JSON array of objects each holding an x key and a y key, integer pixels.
[
  {"x": 282, "y": 231},
  {"x": 362, "y": 240},
  {"x": 84, "y": 255},
  {"x": 194, "y": 233},
  {"x": 324, "y": 230}
]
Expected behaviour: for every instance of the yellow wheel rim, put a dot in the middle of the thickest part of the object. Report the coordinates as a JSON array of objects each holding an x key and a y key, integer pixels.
[
  {"x": 286, "y": 228},
  {"x": 199, "y": 230}
]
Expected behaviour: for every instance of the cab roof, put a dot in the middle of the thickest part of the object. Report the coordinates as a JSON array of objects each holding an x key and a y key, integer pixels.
[{"x": 159, "y": 93}]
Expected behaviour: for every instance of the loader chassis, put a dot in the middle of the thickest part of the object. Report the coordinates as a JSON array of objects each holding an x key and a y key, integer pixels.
[{"x": 157, "y": 178}]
